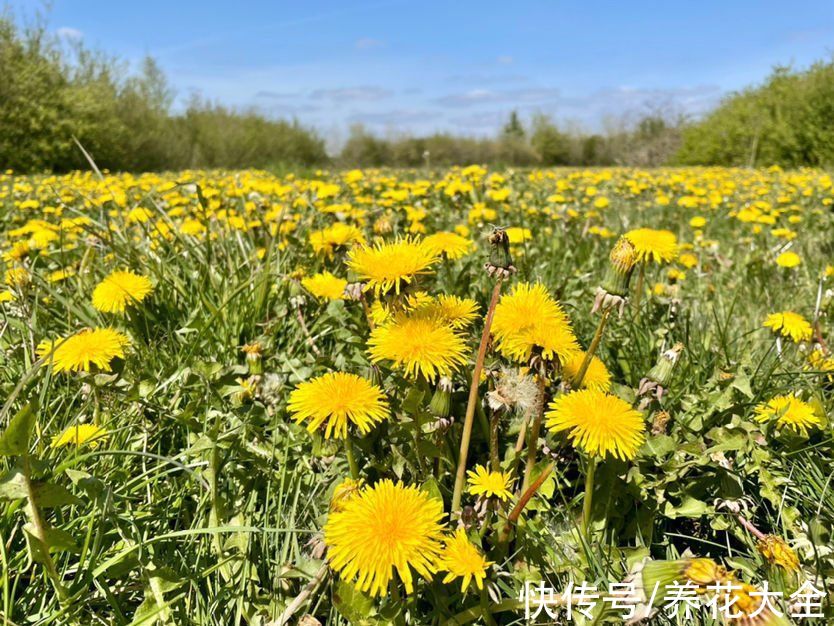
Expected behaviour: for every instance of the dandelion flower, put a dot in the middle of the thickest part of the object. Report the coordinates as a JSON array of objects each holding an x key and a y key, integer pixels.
[
  {"x": 528, "y": 319},
  {"x": 658, "y": 246},
  {"x": 455, "y": 311},
  {"x": 90, "y": 347},
  {"x": 777, "y": 551},
  {"x": 462, "y": 559},
  {"x": 119, "y": 290},
  {"x": 336, "y": 400},
  {"x": 79, "y": 435},
  {"x": 488, "y": 484},
  {"x": 419, "y": 345},
  {"x": 598, "y": 422},
  {"x": 325, "y": 285},
  {"x": 384, "y": 527},
  {"x": 344, "y": 491},
  {"x": 788, "y": 260},
  {"x": 451, "y": 244},
  {"x": 338, "y": 235},
  {"x": 790, "y": 412},
  {"x": 596, "y": 376},
  {"x": 789, "y": 324},
  {"x": 387, "y": 266}
]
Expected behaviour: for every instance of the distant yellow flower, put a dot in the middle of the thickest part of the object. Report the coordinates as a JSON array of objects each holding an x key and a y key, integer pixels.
[
  {"x": 658, "y": 246},
  {"x": 688, "y": 260},
  {"x": 790, "y": 412},
  {"x": 451, "y": 244},
  {"x": 84, "y": 350},
  {"x": 17, "y": 277},
  {"x": 596, "y": 376},
  {"x": 462, "y": 559},
  {"x": 598, "y": 423},
  {"x": 387, "y": 266},
  {"x": 119, "y": 290},
  {"x": 384, "y": 527},
  {"x": 789, "y": 324},
  {"x": 788, "y": 259},
  {"x": 339, "y": 235},
  {"x": 420, "y": 345},
  {"x": 79, "y": 435},
  {"x": 698, "y": 222},
  {"x": 337, "y": 400},
  {"x": 529, "y": 319},
  {"x": 325, "y": 285},
  {"x": 483, "y": 482}
]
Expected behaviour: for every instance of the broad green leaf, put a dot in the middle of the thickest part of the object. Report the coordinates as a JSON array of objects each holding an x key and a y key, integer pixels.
[{"x": 15, "y": 439}]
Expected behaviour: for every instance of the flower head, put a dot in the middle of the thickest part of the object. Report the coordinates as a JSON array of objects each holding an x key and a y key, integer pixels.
[
  {"x": 451, "y": 244},
  {"x": 420, "y": 345},
  {"x": 777, "y": 551},
  {"x": 325, "y": 285},
  {"x": 789, "y": 324},
  {"x": 788, "y": 411},
  {"x": 483, "y": 482},
  {"x": 528, "y": 319},
  {"x": 344, "y": 491},
  {"x": 650, "y": 245},
  {"x": 119, "y": 290},
  {"x": 788, "y": 260},
  {"x": 79, "y": 435},
  {"x": 339, "y": 235},
  {"x": 387, "y": 266},
  {"x": 384, "y": 527},
  {"x": 83, "y": 350},
  {"x": 596, "y": 376},
  {"x": 462, "y": 559},
  {"x": 336, "y": 400},
  {"x": 598, "y": 422}
]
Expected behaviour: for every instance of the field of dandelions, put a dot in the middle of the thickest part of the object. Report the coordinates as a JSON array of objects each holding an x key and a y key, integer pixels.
[{"x": 403, "y": 397}]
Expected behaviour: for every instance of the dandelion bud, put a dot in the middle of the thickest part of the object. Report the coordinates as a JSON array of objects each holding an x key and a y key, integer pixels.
[
  {"x": 254, "y": 354},
  {"x": 623, "y": 258},
  {"x": 658, "y": 378},
  {"x": 500, "y": 262},
  {"x": 441, "y": 401},
  {"x": 777, "y": 552}
]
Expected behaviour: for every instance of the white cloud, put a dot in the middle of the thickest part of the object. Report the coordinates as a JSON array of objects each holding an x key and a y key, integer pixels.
[
  {"x": 68, "y": 32},
  {"x": 365, "y": 93}
]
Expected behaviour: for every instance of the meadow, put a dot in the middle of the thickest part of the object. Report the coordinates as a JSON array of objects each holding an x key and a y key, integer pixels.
[{"x": 408, "y": 396}]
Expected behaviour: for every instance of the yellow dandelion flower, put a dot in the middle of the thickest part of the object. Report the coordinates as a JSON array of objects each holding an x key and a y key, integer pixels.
[
  {"x": 419, "y": 345},
  {"x": 529, "y": 319},
  {"x": 596, "y": 376},
  {"x": 462, "y": 559},
  {"x": 344, "y": 491},
  {"x": 788, "y": 260},
  {"x": 777, "y": 551},
  {"x": 451, "y": 244},
  {"x": 83, "y": 350},
  {"x": 483, "y": 482},
  {"x": 387, "y": 266},
  {"x": 698, "y": 222},
  {"x": 455, "y": 311},
  {"x": 325, "y": 286},
  {"x": 650, "y": 245},
  {"x": 789, "y": 324},
  {"x": 790, "y": 412},
  {"x": 336, "y": 400},
  {"x": 119, "y": 290},
  {"x": 339, "y": 235},
  {"x": 79, "y": 435},
  {"x": 598, "y": 422},
  {"x": 688, "y": 260},
  {"x": 384, "y": 527},
  {"x": 17, "y": 277}
]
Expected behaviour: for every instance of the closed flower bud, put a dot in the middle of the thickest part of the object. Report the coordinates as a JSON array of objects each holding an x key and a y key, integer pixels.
[{"x": 441, "y": 401}]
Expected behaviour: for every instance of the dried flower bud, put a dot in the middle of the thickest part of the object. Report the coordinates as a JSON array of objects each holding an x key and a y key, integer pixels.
[
  {"x": 777, "y": 552},
  {"x": 254, "y": 356},
  {"x": 623, "y": 260},
  {"x": 500, "y": 262}
]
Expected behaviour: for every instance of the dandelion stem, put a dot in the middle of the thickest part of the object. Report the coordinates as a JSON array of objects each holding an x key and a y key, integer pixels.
[
  {"x": 40, "y": 531},
  {"x": 638, "y": 296},
  {"x": 351, "y": 458},
  {"x": 512, "y": 518},
  {"x": 589, "y": 494},
  {"x": 576, "y": 383},
  {"x": 535, "y": 431},
  {"x": 494, "y": 459},
  {"x": 473, "y": 399}
]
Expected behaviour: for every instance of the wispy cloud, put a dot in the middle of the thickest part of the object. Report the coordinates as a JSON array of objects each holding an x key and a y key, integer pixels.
[
  {"x": 396, "y": 117},
  {"x": 476, "y": 97},
  {"x": 365, "y": 93},
  {"x": 67, "y": 32}
]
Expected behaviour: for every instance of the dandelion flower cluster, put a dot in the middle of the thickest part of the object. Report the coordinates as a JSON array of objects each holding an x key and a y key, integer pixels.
[
  {"x": 528, "y": 319},
  {"x": 336, "y": 400},
  {"x": 598, "y": 423},
  {"x": 119, "y": 290},
  {"x": 789, "y": 324},
  {"x": 381, "y": 528},
  {"x": 84, "y": 350}
]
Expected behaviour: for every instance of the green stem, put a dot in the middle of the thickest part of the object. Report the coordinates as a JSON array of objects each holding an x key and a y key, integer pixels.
[
  {"x": 576, "y": 383},
  {"x": 589, "y": 494},
  {"x": 535, "y": 431},
  {"x": 351, "y": 458},
  {"x": 399, "y": 618},
  {"x": 494, "y": 457},
  {"x": 40, "y": 532},
  {"x": 640, "y": 278},
  {"x": 460, "y": 477}
]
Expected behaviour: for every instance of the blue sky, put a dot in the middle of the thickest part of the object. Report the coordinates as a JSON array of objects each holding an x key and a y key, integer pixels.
[{"x": 408, "y": 66}]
